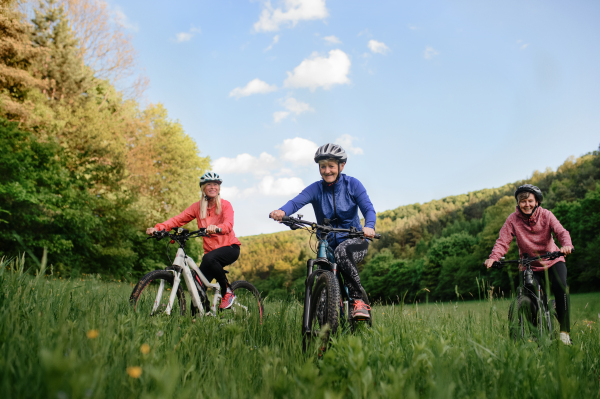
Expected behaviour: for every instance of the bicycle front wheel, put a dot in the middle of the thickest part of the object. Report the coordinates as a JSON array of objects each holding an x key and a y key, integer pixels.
[
  {"x": 323, "y": 318},
  {"x": 247, "y": 304},
  {"x": 522, "y": 319},
  {"x": 151, "y": 294}
]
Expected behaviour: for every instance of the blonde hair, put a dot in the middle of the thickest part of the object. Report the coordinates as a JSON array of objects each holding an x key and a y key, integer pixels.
[{"x": 204, "y": 203}]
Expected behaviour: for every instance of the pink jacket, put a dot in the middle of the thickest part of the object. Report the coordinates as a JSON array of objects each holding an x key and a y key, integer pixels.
[
  {"x": 224, "y": 221},
  {"x": 533, "y": 236}
]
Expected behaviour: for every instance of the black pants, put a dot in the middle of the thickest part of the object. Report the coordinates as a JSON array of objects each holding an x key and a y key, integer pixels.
[
  {"x": 213, "y": 263},
  {"x": 557, "y": 275},
  {"x": 347, "y": 255}
]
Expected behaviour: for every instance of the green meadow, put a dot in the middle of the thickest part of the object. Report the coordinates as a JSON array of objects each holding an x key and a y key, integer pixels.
[{"x": 79, "y": 338}]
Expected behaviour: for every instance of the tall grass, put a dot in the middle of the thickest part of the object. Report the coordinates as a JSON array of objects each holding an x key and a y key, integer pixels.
[{"x": 79, "y": 338}]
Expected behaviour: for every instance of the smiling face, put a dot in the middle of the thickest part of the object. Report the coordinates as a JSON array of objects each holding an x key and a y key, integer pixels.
[
  {"x": 330, "y": 170},
  {"x": 528, "y": 204},
  {"x": 211, "y": 190}
]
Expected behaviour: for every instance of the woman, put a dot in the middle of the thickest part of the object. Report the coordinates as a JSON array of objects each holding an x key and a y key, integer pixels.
[
  {"x": 532, "y": 226},
  {"x": 220, "y": 250},
  {"x": 338, "y": 197}
]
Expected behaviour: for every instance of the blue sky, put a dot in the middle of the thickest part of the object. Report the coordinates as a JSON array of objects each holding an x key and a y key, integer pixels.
[{"x": 430, "y": 98}]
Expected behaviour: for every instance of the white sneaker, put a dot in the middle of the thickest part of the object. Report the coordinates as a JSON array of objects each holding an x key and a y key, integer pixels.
[{"x": 564, "y": 337}]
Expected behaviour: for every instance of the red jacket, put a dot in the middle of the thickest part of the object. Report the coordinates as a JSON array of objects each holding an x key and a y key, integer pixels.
[
  {"x": 533, "y": 236},
  {"x": 224, "y": 221}
]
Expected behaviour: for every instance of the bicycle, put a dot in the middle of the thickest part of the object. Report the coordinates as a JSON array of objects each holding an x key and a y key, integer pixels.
[
  {"x": 529, "y": 314},
  {"x": 148, "y": 294},
  {"x": 326, "y": 298}
]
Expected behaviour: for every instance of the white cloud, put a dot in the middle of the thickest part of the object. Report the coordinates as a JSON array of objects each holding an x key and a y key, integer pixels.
[
  {"x": 522, "y": 44},
  {"x": 255, "y": 86},
  {"x": 332, "y": 40},
  {"x": 345, "y": 141},
  {"x": 187, "y": 36},
  {"x": 318, "y": 71},
  {"x": 280, "y": 115},
  {"x": 274, "y": 42},
  {"x": 364, "y": 32},
  {"x": 293, "y": 106},
  {"x": 378, "y": 47},
  {"x": 430, "y": 52},
  {"x": 230, "y": 193},
  {"x": 298, "y": 151},
  {"x": 413, "y": 27},
  {"x": 271, "y": 186},
  {"x": 292, "y": 12},
  {"x": 246, "y": 163},
  {"x": 123, "y": 19}
]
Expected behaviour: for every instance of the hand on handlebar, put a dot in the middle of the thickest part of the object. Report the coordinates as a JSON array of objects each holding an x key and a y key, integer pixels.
[
  {"x": 489, "y": 263},
  {"x": 212, "y": 229},
  {"x": 368, "y": 232},
  {"x": 151, "y": 230},
  {"x": 566, "y": 250},
  {"x": 277, "y": 215}
]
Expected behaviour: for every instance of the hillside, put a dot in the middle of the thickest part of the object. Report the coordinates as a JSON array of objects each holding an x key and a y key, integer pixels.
[{"x": 437, "y": 248}]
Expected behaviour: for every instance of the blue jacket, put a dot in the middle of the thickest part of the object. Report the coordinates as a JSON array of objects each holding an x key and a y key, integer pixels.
[{"x": 349, "y": 195}]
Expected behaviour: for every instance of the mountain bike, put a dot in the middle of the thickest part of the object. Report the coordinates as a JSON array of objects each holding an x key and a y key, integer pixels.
[
  {"x": 530, "y": 314},
  {"x": 326, "y": 298},
  {"x": 149, "y": 294}
]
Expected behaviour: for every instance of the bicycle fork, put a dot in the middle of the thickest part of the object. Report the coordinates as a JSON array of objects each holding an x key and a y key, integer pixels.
[{"x": 307, "y": 292}]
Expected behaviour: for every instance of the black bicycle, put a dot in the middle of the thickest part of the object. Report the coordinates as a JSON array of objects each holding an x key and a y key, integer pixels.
[
  {"x": 326, "y": 299},
  {"x": 530, "y": 314}
]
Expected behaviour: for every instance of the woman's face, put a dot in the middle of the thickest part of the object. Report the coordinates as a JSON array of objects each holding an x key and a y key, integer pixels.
[
  {"x": 528, "y": 204},
  {"x": 330, "y": 170},
  {"x": 212, "y": 189}
]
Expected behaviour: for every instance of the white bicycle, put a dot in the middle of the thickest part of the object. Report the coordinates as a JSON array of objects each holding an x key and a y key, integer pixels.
[{"x": 149, "y": 293}]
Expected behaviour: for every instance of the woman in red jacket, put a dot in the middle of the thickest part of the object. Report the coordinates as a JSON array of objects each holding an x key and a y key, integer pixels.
[
  {"x": 220, "y": 250},
  {"x": 533, "y": 226}
]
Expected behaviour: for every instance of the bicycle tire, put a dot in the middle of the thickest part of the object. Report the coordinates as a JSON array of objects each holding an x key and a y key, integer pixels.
[
  {"x": 323, "y": 317},
  {"x": 144, "y": 293},
  {"x": 248, "y": 302},
  {"x": 522, "y": 319}
]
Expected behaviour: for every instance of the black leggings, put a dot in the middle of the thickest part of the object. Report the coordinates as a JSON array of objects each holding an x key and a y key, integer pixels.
[
  {"x": 557, "y": 275},
  {"x": 347, "y": 255},
  {"x": 213, "y": 263}
]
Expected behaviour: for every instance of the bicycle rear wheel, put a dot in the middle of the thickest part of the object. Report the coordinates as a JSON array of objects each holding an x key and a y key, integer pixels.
[
  {"x": 148, "y": 297},
  {"x": 247, "y": 305},
  {"x": 323, "y": 318}
]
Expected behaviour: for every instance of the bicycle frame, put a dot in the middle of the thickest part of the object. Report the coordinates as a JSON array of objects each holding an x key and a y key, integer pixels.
[
  {"x": 182, "y": 265},
  {"x": 532, "y": 289}
]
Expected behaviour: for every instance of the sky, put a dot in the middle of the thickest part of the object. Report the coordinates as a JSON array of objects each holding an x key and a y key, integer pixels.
[{"x": 429, "y": 98}]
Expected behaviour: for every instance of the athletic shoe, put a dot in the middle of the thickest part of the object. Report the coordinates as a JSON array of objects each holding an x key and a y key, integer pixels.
[
  {"x": 361, "y": 310},
  {"x": 227, "y": 300},
  {"x": 565, "y": 339}
]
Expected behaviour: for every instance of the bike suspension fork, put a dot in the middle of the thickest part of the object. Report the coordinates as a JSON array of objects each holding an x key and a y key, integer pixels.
[{"x": 307, "y": 292}]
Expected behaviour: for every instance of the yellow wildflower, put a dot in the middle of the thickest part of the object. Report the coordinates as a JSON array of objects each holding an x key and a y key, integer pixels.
[
  {"x": 134, "y": 372},
  {"x": 145, "y": 349},
  {"x": 92, "y": 334}
]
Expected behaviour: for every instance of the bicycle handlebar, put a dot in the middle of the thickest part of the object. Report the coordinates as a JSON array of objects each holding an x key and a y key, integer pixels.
[
  {"x": 182, "y": 233},
  {"x": 526, "y": 260},
  {"x": 291, "y": 222}
]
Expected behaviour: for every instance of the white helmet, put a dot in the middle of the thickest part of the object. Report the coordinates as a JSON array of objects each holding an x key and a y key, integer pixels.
[
  {"x": 210, "y": 177},
  {"x": 331, "y": 151}
]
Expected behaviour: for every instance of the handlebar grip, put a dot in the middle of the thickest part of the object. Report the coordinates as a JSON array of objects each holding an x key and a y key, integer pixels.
[
  {"x": 378, "y": 236},
  {"x": 285, "y": 219},
  {"x": 218, "y": 230}
]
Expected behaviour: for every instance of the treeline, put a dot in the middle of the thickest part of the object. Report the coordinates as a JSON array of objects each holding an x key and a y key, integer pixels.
[
  {"x": 436, "y": 249},
  {"x": 83, "y": 168}
]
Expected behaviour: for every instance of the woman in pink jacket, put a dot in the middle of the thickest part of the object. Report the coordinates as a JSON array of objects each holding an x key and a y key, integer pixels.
[
  {"x": 220, "y": 250},
  {"x": 532, "y": 226}
]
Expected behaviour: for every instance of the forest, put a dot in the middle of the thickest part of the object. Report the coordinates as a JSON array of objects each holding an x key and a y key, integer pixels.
[{"x": 85, "y": 168}]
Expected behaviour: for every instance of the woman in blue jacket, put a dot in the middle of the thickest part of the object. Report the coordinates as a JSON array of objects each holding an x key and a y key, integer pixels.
[{"x": 338, "y": 197}]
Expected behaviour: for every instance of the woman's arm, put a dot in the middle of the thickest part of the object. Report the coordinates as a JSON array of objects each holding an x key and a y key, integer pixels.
[
  {"x": 561, "y": 234},
  {"x": 364, "y": 204},
  {"x": 503, "y": 242},
  {"x": 305, "y": 197},
  {"x": 227, "y": 225},
  {"x": 183, "y": 218}
]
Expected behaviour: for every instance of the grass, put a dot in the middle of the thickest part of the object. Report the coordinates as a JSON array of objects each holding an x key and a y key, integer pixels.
[{"x": 79, "y": 338}]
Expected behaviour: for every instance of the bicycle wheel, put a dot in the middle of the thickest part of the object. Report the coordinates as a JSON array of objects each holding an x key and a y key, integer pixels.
[
  {"x": 522, "y": 319},
  {"x": 148, "y": 298},
  {"x": 248, "y": 303},
  {"x": 323, "y": 317}
]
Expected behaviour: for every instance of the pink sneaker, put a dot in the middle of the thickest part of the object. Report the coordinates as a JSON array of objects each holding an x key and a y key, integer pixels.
[
  {"x": 227, "y": 300},
  {"x": 361, "y": 310}
]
